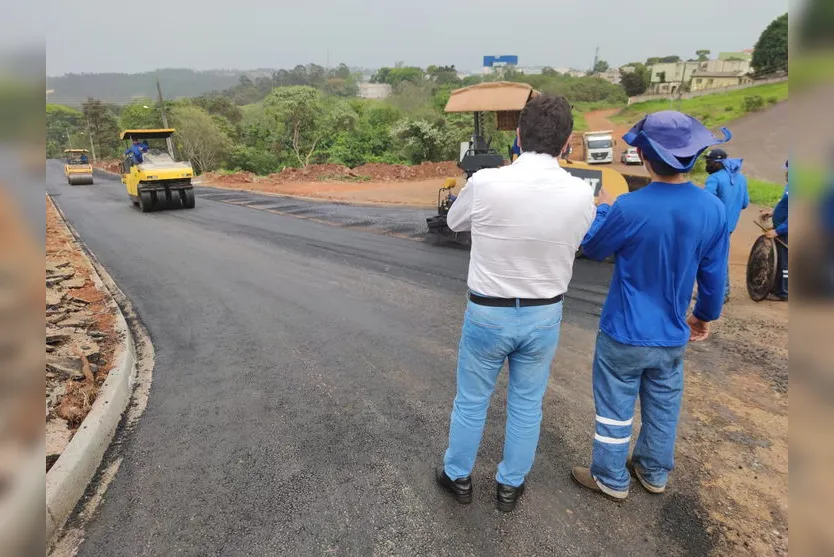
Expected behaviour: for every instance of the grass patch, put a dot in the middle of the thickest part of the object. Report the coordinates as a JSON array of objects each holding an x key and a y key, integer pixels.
[
  {"x": 579, "y": 122},
  {"x": 763, "y": 192},
  {"x": 712, "y": 110}
]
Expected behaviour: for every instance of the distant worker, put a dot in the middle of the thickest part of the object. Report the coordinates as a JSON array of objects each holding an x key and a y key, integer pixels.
[
  {"x": 83, "y": 158},
  {"x": 664, "y": 236},
  {"x": 779, "y": 213},
  {"x": 135, "y": 151},
  {"x": 726, "y": 182}
]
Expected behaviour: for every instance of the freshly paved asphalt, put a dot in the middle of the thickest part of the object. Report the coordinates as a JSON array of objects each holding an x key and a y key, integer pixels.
[{"x": 301, "y": 394}]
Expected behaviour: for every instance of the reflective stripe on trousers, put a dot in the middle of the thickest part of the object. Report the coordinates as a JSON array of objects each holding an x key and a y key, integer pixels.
[{"x": 621, "y": 374}]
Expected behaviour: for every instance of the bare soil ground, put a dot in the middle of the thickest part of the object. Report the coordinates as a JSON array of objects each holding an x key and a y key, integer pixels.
[
  {"x": 80, "y": 335},
  {"x": 599, "y": 120}
]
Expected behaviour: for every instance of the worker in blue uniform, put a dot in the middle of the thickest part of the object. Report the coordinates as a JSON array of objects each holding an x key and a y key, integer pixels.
[
  {"x": 779, "y": 214},
  {"x": 726, "y": 182},
  {"x": 135, "y": 151},
  {"x": 664, "y": 237}
]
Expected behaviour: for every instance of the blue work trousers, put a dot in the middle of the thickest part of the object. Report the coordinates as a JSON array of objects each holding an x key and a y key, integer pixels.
[
  {"x": 526, "y": 337},
  {"x": 621, "y": 373}
]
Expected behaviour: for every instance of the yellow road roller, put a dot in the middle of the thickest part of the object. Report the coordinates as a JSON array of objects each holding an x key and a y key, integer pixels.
[
  {"x": 153, "y": 178},
  {"x": 77, "y": 167}
]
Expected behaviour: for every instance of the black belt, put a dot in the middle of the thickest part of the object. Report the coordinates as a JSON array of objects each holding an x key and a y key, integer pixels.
[{"x": 513, "y": 302}]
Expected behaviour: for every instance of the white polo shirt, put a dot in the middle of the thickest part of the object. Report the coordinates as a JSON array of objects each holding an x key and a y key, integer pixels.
[{"x": 527, "y": 221}]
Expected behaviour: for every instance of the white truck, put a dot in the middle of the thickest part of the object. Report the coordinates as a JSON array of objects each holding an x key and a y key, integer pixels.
[{"x": 598, "y": 147}]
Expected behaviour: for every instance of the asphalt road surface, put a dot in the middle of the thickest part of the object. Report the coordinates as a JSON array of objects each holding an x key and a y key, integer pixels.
[{"x": 301, "y": 394}]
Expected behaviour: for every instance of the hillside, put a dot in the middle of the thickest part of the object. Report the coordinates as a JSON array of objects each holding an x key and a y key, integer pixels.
[{"x": 116, "y": 88}]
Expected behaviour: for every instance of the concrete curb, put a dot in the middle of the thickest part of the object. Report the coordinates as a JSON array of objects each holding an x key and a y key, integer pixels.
[{"x": 69, "y": 477}]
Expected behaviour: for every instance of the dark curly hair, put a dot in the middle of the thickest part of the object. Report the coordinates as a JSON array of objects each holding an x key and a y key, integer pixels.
[{"x": 545, "y": 124}]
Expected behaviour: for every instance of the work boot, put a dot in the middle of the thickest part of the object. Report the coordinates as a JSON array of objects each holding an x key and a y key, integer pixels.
[
  {"x": 583, "y": 476},
  {"x": 637, "y": 472},
  {"x": 461, "y": 488},
  {"x": 507, "y": 496}
]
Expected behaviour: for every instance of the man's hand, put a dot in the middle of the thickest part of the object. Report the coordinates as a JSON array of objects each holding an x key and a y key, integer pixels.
[
  {"x": 698, "y": 330},
  {"x": 771, "y": 233},
  {"x": 765, "y": 213},
  {"x": 604, "y": 197}
]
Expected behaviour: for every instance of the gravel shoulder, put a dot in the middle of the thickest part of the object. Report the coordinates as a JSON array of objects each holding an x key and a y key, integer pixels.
[{"x": 81, "y": 337}]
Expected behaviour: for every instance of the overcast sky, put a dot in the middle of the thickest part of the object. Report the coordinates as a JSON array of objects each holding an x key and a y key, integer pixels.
[{"x": 108, "y": 36}]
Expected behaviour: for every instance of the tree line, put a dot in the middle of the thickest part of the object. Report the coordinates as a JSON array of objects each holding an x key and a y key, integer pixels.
[{"x": 310, "y": 115}]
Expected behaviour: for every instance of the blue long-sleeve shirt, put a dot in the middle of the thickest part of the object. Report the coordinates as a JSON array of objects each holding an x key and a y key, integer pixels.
[
  {"x": 730, "y": 186},
  {"x": 780, "y": 214},
  {"x": 664, "y": 237},
  {"x": 136, "y": 152}
]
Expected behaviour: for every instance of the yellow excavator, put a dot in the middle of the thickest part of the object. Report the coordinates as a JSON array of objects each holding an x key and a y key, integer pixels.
[
  {"x": 506, "y": 99},
  {"x": 154, "y": 180},
  {"x": 77, "y": 167}
]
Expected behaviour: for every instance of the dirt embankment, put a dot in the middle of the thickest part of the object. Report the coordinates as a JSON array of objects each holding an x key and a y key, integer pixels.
[
  {"x": 80, "y": 336},
  {"x": 388, "y": 184}
]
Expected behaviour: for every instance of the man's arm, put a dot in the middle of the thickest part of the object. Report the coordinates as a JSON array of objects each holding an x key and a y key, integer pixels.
[
  {"x": 459, "y": 218},
  {"x": 607, "y": 233},
  {"x": 712, "y": 274}
]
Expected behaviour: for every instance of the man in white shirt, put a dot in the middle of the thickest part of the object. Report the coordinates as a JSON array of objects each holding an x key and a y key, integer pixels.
[{"x": 527, "y": 221}]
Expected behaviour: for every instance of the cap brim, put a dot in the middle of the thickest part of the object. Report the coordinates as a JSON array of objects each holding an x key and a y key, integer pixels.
[{"x": 683, "y": 158}]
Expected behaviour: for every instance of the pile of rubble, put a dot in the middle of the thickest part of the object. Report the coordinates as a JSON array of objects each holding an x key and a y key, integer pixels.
[{"x": 80, "y": 338}]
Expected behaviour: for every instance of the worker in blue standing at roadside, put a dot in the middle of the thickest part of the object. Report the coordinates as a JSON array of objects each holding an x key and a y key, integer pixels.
[
  {"x": 726, "y": 182},
  {"x": 779, "y": 214},
  {"x": 664, "y": 237}
]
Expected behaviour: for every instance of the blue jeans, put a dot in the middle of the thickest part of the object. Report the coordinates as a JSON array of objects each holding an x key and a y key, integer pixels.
[
  {"x": 621, "y": 372},
  {"x": 525, "y": 336}
]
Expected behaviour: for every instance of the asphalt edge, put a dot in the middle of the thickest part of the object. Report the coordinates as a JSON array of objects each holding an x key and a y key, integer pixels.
[{"x": 69, "y": 477}]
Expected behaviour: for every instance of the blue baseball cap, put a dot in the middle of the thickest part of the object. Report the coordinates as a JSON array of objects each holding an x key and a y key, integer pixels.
[{"x": 674, "y": 138}]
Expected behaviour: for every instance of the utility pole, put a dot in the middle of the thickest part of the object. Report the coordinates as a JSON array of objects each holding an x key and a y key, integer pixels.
[
  {"x": 596, "y": 59},
  {"x": 92, "y": 145},
  {"x": 164, "y": 119}
]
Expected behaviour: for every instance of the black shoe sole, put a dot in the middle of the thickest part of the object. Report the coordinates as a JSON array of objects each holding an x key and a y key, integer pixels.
[{"x": 505, "y": 507}]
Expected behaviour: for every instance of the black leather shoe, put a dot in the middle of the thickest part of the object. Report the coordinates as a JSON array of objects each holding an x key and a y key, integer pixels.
[
  {"x": 508, "y": 496},
  {"x": 461, "y": 489}
]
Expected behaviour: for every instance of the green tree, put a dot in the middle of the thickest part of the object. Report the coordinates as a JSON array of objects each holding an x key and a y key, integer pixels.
[
  {"x": 199, "y": 138},
  {"x": 703, "y": 54},
  {"x": 635, "y": 81},
  {"x": 420, "y": 140},
  {"x": 601, "y": 66},
  {"x": 443, "y": 75},
  {"x": 771, "y": 50},
  {"x": 397, "y": 75},
  {"x": 63, "y": 130},
  {"x": 103, "y": 126},
  {"x": 306, "y": 120},
  {"x": 143, "y": 114}
]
